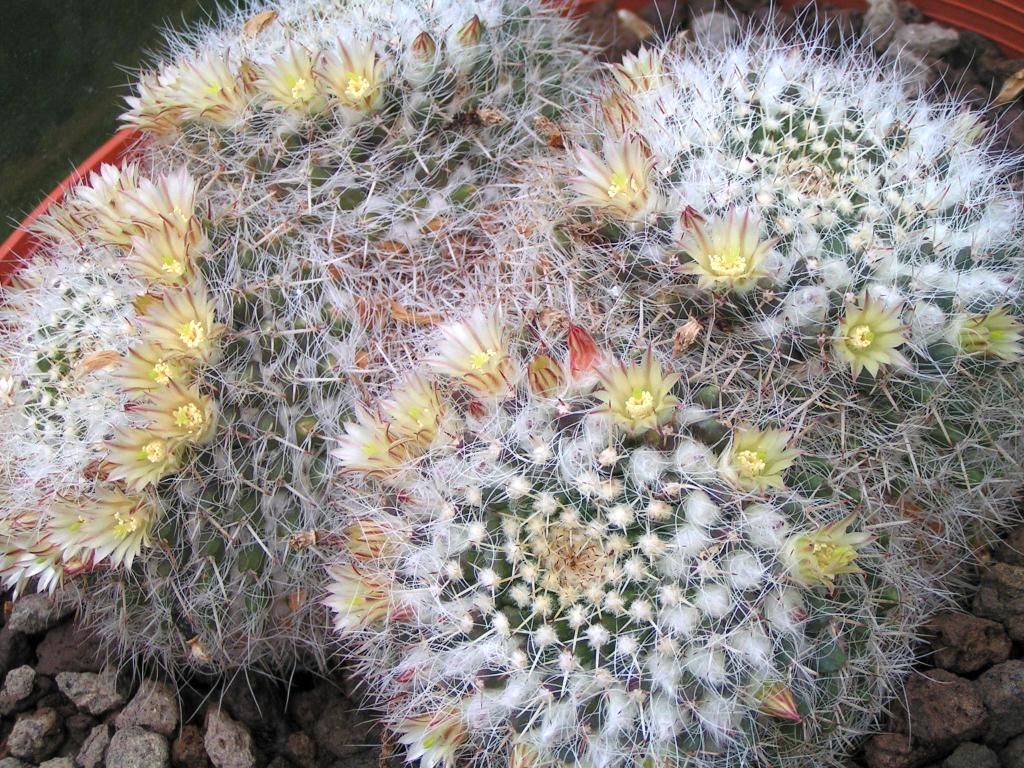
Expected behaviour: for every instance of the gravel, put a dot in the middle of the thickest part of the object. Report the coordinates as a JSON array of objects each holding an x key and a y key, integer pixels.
[{"x": 136, "y": 747}]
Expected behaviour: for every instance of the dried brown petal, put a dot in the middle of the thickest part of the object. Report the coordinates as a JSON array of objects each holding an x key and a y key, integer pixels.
[{"x": 258, "y": 23}]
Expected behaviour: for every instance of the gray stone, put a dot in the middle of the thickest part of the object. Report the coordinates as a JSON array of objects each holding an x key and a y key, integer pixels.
[
  {"x": 253, "y": 700},
  {"x": 1012, "y": 755},
  {"x": 17, "y": 687},
  {"x": 34, "y": 614},
  {"x": 341, "y": 729},
  {"x": 36, "y": 735},
  {"x": 894, "y": 750},
  {"x": 1000, "y": 597},
  {"x": 135, "y": 747},
  {"x": 14, "y": 650},
  {"x": 154, "y": 707},
  {"x": 714, "y": 28},
  {"x": 926, "y": 39},
  {"x": 13, "y": 762},
  {"x": 881, "y": 21},
  {"x": 228, "y": 742},
  {"x": 94, "y": 750},
  {"x": 1002, "y": 691},
  {"x": 943, "y": 710},
  {"x": 972, "y": 755},
  {"x": 68, "y": 648},
  {"x": 94, "y": 693},
  {"x": 188, "y": 751},
  {"x": 966, "y": 644},
  {"x": 58, "y": 762},
  {"x": 301, "y": 750}
]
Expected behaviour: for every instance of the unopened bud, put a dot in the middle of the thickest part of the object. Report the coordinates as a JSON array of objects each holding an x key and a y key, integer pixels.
[
  {"x": 470, "y": 34},
  {"x": 545, "y": 376},
  {"x": 423, "y": 47}
]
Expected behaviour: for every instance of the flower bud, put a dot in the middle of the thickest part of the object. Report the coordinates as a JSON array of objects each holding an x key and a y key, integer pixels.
[
  {"x": 423, "y": 47},
  {"x": 470, "y": 33}
]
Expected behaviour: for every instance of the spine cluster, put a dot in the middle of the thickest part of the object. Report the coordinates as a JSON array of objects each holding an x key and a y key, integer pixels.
[
  {"x": 558, "y": 568},
  {"x": 802, "y": 230}
]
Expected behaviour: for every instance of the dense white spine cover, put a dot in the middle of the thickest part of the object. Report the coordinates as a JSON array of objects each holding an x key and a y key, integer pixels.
[
  {"x": 533, "y": 582},
  {"x": 810, "y": 236}
]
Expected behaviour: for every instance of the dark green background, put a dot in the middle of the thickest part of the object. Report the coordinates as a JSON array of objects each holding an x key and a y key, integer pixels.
[{"x": 62, "y": 79}]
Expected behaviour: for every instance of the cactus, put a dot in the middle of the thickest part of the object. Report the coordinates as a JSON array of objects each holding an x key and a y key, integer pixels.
[
  {"x": 337, "y": 164},
  {"x": 814, "y": 241},
  {"x": 551, "y": 564}
]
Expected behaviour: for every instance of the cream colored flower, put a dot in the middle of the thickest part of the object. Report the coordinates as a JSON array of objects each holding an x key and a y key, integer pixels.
[
  {"x": 162, "y": 256},
  {"x": 756, "y": 459},
  {"x": 414, "y": 411},
  {"x": 640, "y": 71},
  {"x": 818, "y": 557},
  {"x": 433, "y": 739},
  {"x": 476, "y": 351},
  {"x": 637, "y": 398},
  {"x": 994, "y": 334},
  {"x": 149, "y": 367},
  {"x": 728, "y": 252},
  {"x": 29, "y": 552},
  {"x": 105, "y": 202},
  {"x": 368, "y": 447},
  {"x": 111, "y": 526},
  {"x": 210, "y": 90},
  {"x": 155, "y": 107},
  {"x": 168, "y": 202},
  {"x": 289, "y": 83},
  {"x": 868, "y": 335},
  {"x": 140, "y": 458},
  {"x": 182, "y": 325},
  {"x": 179, "y": 415},
  {"x": 619, "y": 185},
  {"x": 357, "y": 599},
  {"x": 372, "y": 539},
  {"x": 354, "y": 74}
]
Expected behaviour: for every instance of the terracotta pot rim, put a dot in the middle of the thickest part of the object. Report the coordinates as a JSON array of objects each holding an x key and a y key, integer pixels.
[{"x": 21, "y": 243}]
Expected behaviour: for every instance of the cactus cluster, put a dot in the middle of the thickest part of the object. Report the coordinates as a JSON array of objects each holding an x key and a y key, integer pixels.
[
  {"x": 338, "y": 162},
  {"x": 698, "y": 542},
  {"x": 551, "y": 564},
  {"x": 99, "y": 397},
  {"x": 364, "y": 145},
  {"x": 807, "y": 234}
]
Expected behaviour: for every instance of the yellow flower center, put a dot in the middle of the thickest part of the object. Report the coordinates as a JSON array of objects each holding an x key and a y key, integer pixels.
[
  {"x": 123, "y": 526},
  {"x": 640, "y": 404},
  {"x": 750, "y": 463},
  {"x": 358, "y": 86},
  {"x": 861, "y": 336},
  {"x": 192, "y": 334},
  {"x": 161, "y": 372},
  {"x": 155, "y": 451},
  {"x": 189, "y": 417},
  {"x": 421, "y": 416},
  {"x": 172, "y": 266},
  {"x": 180, "y": 213},
  {"x": 478, "y": 360},
  {"x": 299, "y": 89},
  {"x": 620, "y": 185},
  {"x": 728, "y": 264},
  {"x": 831, "y": 558}
]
